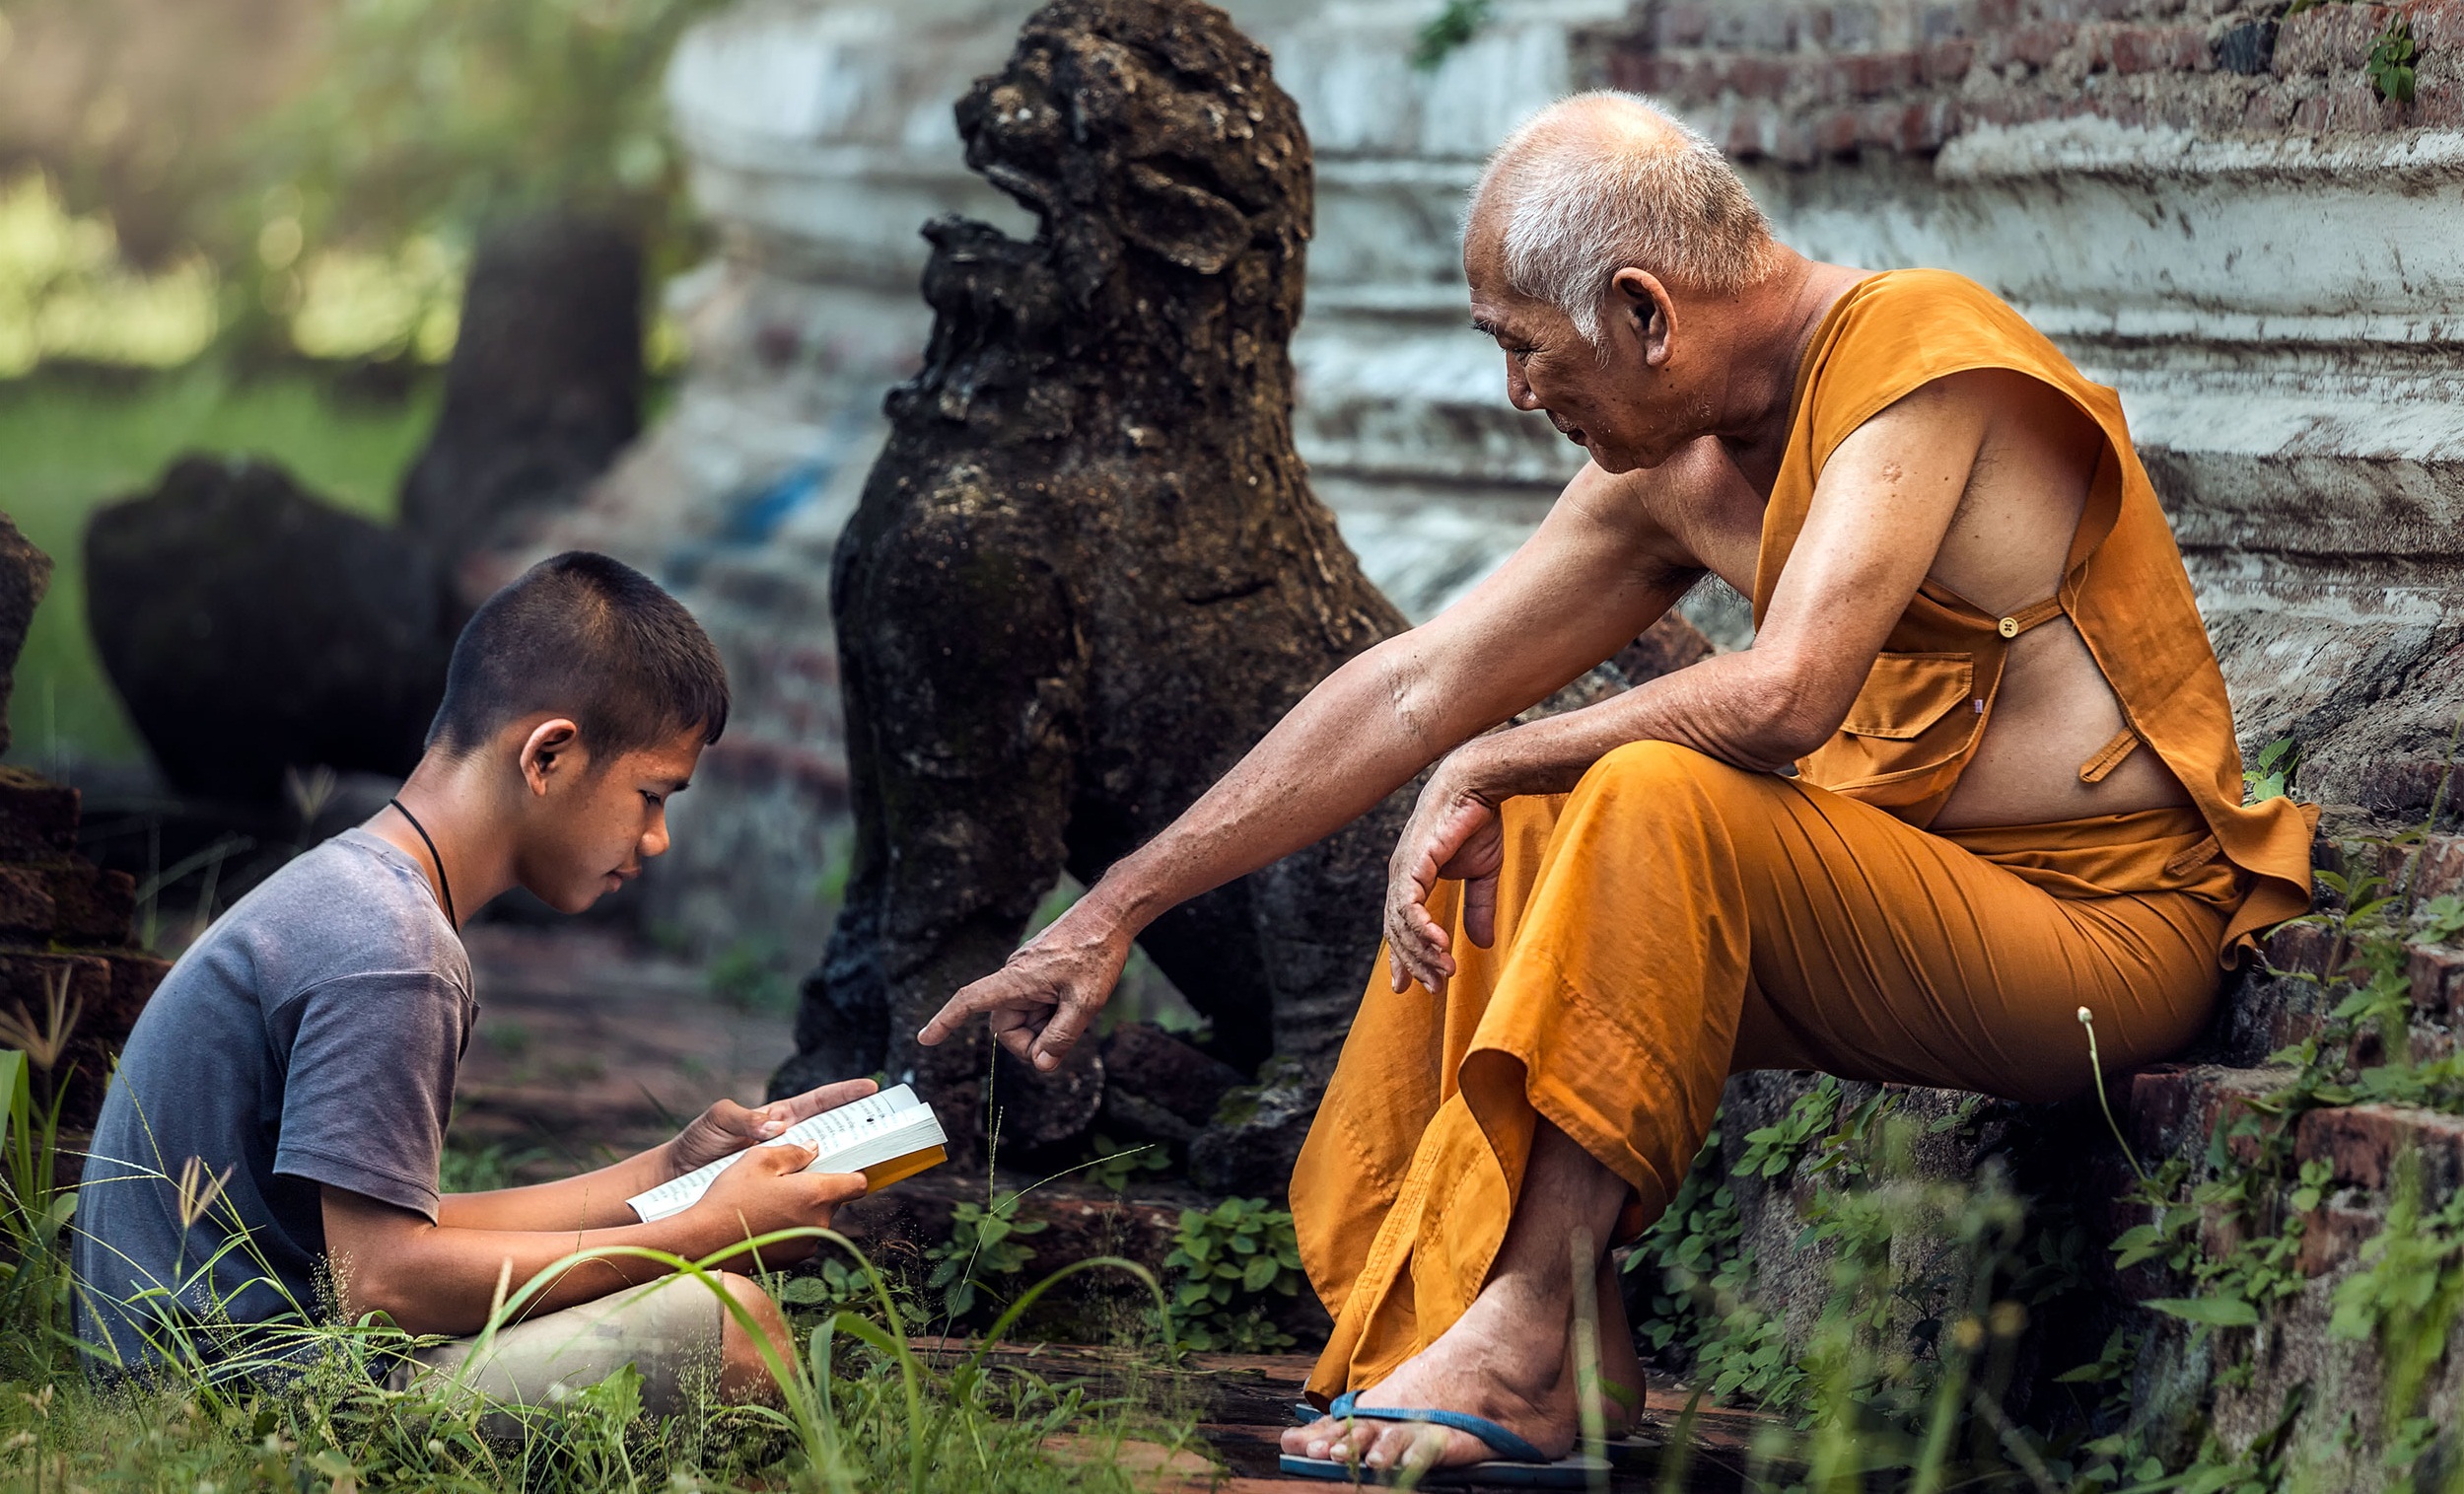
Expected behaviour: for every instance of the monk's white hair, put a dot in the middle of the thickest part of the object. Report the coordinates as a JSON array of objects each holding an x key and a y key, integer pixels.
[{"x": 1601, "y": 180}]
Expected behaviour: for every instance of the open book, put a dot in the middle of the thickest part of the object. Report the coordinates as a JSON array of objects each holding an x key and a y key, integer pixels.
[{"x": 885, "y": 1136}]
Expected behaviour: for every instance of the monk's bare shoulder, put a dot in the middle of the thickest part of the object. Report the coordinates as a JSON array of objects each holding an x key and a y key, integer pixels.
[{"x": 1694, "y": 512}]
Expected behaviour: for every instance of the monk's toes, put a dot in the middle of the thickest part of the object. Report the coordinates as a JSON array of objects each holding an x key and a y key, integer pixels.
[
  {"x": 1416, "y": 1448},
  {"x": 1316, "y": 1440}
]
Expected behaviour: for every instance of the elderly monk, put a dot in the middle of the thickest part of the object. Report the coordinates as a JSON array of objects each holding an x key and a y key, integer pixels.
[{"x": 1977, "y": 772}]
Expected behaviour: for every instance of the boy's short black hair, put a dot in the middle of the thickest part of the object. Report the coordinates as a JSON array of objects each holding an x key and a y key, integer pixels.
[{"x": 588, "y": 637}]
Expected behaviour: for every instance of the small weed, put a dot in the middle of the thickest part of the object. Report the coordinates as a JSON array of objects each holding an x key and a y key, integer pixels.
[
  {"x": 1114, "y": 1167},
  {"x": 982, "y": 1253},
  {"x": 2266, "y": 778},
  {"x": 2391, "y": 61},
  {"x": 1226, "y": 1260}
]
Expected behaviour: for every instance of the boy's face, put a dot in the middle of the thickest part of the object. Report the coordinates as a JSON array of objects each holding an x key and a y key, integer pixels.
[{"x": 593, "y": 824}]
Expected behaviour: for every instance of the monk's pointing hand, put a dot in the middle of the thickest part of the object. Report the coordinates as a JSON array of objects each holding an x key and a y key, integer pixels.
[
  {"x": 1454, "y": 835},
  {"x": 1047, "y": 994}
]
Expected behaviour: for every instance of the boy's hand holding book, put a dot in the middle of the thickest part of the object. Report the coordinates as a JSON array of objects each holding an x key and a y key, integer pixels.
[
  {"x": 727, "y": 1128},
  {"x": 769, "y": 1189},
  {"x": 846, "y": 1129}
]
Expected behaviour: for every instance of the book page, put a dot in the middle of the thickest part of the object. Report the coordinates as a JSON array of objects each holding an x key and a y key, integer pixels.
[{"x": 872, "y": 1130}]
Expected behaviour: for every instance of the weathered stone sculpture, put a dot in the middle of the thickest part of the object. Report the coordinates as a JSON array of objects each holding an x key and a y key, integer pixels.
[{"x": 1088, "y": 571}]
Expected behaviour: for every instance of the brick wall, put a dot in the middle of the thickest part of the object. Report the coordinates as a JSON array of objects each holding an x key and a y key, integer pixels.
[{"x": 1801, "y": 83}]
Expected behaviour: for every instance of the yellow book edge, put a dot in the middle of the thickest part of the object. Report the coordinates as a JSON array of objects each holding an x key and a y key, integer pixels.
[{"x": 899, "y": 1169}]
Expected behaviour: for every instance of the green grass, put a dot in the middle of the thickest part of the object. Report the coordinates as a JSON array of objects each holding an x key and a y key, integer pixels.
[{"x": 69, "y": 445}]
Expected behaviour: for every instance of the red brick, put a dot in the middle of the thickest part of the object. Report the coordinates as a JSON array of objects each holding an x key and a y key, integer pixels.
[
  {"x": 2329, "y": 38},
  {"x": 2358, "y": 109},
  {"x": 1755, "y": 76},
  {"x": 2173, "y": 1111},
  {"x": 2303, "y": 948},
  {"x": 2438, "y": 25},
  {"x": 2437, "y": 976},
  {"x": 1871, "y": 75},
  {"x": 2039, "y": 42},
  {"x": 1626, "y": 67},
  {"x": 1948, "y": 61},
  {"x": 37, "y": 818},
  {"x": 1835, "y": 132},
  {"x": 2441, "y": 868},
  {"x": 1681, "y": 80},
  {"x": 1680, "y": 25},
  {"x": 2439, "y": 106},
  {"x": 1744, "y": 141},
  {"x": 2362, "y": 1143},
  {"x": 95, "y": 906},
  {"x": 2152, "y": 49},
  {"x": 2268, "y": 109},
  {"x": 2335, "y": 1234},
  {"x": 1911, "y": 128},
  {"x": 26, "y": 905}
]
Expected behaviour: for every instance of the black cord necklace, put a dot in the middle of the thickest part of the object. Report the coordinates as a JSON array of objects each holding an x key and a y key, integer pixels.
[{"x": 442, "y": 885}]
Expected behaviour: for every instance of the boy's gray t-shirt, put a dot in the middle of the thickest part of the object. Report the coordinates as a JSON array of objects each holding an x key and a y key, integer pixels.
[{"x": 310, "y": 1038}]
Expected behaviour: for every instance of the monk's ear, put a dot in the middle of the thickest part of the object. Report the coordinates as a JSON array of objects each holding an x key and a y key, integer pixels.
[{"x": 1650, "y": 313}]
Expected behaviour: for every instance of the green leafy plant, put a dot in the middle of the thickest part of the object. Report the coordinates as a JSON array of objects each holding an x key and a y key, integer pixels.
[
  {"x": 1225, "y": 1262},
  {"x": 1454, "y": 25},
  {"x": 2391, "y": 61},
  {"x": 981, "y": 1252},
  {"x": 1114, "y": 1167},
  {"x": 2266, "y": 778},
  {"x": 1772, "y": 1149}
]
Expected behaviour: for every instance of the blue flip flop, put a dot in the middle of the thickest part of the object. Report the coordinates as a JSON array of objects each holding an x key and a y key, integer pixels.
[{"x": 1518, "y": 1464}]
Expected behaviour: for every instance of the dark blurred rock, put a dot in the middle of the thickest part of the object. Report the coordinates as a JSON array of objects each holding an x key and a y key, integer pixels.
[
  {"x": 1157, "y": 1088},
  {"x": 250, "y": 627},
  {"x": 545, "y": 387},
  {"x": 1255, "y": 1136},
  {"x": 25, "y": 575},
  {"x": 1041, "y": 1114}
]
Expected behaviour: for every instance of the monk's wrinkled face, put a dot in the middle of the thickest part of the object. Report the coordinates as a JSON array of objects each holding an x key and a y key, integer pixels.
[{"x": 1634, "y": 400}]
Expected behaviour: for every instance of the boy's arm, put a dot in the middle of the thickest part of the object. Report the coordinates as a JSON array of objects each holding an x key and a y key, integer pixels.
[
  {"x": 441, "y": 1278},
  {"x": 597, "y": 1200}
]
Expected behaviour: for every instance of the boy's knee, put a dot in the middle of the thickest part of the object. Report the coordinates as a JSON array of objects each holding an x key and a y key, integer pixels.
[{"x": 745, "y": 1373}]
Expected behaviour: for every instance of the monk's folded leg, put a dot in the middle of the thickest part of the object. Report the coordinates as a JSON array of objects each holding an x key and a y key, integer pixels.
[{"x": 1674, "y": 918}]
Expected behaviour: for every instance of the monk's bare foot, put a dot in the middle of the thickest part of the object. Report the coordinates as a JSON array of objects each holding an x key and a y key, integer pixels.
[
  {"x": 1497, "y": 1362},
  {"x": 1621, "y": 1369}
]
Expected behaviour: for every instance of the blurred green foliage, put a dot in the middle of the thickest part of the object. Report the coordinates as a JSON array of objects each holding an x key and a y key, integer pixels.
[{"x": 433, "y": 117}]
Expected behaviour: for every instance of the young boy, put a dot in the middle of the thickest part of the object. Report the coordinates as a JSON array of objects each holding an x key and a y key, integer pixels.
[{"x": 304, "y": 1051}]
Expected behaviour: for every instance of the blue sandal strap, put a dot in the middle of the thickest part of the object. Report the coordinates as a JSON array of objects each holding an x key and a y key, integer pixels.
[{"x": 1508, "y": 1447}]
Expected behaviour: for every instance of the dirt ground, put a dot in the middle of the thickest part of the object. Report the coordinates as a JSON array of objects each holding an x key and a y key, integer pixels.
[{"x": 590, "y": 1049}]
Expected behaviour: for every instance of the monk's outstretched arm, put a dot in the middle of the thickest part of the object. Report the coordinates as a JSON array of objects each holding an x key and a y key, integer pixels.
[{"x": 1587, "y": 583}]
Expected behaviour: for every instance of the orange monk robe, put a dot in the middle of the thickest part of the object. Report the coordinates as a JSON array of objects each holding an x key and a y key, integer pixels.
[{"x": 1674, "y": 920}]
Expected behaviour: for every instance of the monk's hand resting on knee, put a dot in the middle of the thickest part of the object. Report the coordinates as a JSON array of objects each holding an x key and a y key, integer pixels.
[
  {"x": 1048, "y": 992},
  {"x": 727, "y": 1128},
  {"x": 1455, "y": 834}
]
